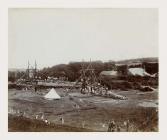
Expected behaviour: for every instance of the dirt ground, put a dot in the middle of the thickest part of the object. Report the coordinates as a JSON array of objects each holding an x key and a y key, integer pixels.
[{"x": 87, "y": 112}]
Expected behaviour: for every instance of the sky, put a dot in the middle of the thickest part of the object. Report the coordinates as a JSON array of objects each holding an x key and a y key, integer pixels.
[{"x": 55, "y": 36}]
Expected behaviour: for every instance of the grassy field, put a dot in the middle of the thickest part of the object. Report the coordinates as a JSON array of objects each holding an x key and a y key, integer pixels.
[
  {"x": 22, "y": 124},
  {"x": 140, "y": 109}
]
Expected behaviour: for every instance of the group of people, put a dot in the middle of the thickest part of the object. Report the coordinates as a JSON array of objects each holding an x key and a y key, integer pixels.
[
  {"x": 99, "y": 90},
  {"x": 94, "y": 89},
  {"x": 43, "y": 118},
  {"x": 113, "y": 127}
]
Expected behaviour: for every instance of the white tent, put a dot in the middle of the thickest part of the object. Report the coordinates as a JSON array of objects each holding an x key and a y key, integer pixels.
[
  {"x": 52, "y": 94},
  {"x": 138, "y": 72},
  {"x": 113, "y": 74}
]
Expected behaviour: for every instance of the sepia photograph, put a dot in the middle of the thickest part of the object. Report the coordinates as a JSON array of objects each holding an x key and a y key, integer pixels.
[{"x": 83, "y": 70}]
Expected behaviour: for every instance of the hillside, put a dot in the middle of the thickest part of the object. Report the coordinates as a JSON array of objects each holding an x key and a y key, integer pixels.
[
  {"x": 73, "y": 70},
  {"x": 138, "y": 60}
]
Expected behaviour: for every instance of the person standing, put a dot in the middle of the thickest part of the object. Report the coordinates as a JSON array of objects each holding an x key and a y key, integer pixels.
[
  {"x": 111, "y": 126},
  {"x": 118, "y": 129},
  {"x": 127, "y": 125}
]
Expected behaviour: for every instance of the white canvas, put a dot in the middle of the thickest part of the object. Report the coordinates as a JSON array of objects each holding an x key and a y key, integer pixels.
[
  {"x": 52, "y": 94},
  {"x": 138, "y": 72}
]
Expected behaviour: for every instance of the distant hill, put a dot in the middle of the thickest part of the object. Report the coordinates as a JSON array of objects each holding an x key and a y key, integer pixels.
[
  {"x": 138, "y": 60},
  {"x": 72, "y": 71},
  {"x": 16, "y": 70}
]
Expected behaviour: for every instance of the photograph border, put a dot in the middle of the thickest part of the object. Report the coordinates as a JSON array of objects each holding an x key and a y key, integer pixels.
[{"x": 114, "y": 4}]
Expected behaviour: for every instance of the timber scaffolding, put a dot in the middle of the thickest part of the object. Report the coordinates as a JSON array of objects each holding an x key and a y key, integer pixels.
[
  {"x": 30, "y": 74},
  {"x": 32, "y": 79},
  {"x": 29, "y": 79},
  {"x": 91, "y": 85},
  {"x": 87, "y": 82}
]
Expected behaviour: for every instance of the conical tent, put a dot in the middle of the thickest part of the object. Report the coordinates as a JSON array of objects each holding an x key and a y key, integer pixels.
[{"x": 52, "y": 94}]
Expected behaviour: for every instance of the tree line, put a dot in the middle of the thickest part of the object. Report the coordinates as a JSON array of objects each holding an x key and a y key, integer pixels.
[{"x": 73, "y": 70}]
